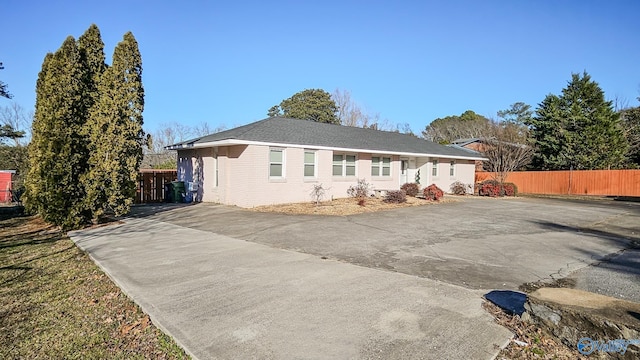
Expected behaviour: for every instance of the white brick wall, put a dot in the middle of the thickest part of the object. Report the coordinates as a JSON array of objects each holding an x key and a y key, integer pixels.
[{"x": 243, "y": 175}]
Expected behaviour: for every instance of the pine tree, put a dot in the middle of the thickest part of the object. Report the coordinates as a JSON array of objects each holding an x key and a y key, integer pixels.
[
  {"x": 3, "y": 87},
  {"x": 578, "y": 129},
  {"x": 58, "y": 153},
  {"x": 630, "y": 119},
  {"x": 115, "y": 133},
  {"x": 548, "y": 133}
]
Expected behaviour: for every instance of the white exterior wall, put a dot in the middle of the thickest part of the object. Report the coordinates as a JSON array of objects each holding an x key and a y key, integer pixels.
[
  {"x": 198, "y": 166},
  {"x": 250, "y": 184},
  {"x": 243, "y": 174},
  {"x": 464, "y": 172}
]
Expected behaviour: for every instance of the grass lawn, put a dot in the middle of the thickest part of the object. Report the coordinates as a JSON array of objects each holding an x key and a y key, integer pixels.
[{"x": 56, "y": 303}]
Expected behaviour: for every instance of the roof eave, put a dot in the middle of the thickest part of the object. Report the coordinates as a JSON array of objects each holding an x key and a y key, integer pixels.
[{"x": 230, "y": 142}]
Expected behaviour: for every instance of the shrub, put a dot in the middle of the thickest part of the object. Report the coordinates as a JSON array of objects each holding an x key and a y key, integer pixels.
[
  {"x": 411, "y": 189},
  {"x": 460, "y": 188},
  {"x": 433, "y": 193},
  {"x": 494, "y": 188},
  {"x": 318, "y": 193},
  {"x": 510, "y": 189},
  {"x": 360, "y": 191},
  {"x": 395, "y": 197}
]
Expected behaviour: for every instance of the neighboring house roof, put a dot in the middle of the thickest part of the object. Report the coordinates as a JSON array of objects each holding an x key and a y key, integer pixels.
[
  {"x": 278, "y": 131},
  {"x": 465, "y": 142},
  {"x": 456, "y": 146}
]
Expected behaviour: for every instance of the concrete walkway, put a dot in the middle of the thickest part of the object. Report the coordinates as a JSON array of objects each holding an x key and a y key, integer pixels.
[{"x": 224, "y": 298}]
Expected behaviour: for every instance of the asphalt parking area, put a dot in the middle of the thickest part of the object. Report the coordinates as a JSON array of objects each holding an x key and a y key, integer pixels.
[{"x": 477, "y": 243}]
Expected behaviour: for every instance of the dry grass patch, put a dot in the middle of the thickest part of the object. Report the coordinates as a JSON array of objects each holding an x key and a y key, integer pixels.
[
  {"x": 56, "y": 303},
  {"x": 345, "y": 206}
]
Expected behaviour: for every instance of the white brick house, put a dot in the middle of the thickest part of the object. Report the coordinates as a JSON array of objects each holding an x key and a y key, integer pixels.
[{"x": 278, "y": 160}]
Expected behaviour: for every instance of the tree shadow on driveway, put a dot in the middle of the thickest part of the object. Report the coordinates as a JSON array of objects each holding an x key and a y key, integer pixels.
[
  {"x": 614, "y": 274},
  {"x": 618, "y": 235}
]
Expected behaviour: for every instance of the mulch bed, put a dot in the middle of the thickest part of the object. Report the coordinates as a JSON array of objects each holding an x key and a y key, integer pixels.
[{"x": 347, "y": 206}]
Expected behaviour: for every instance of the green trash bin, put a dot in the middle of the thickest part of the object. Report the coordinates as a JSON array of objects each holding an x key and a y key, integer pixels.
[{"x": 178, "y": 191}]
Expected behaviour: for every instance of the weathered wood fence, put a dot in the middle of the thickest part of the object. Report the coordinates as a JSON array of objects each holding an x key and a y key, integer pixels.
[
  {"x": 151, "y": 184},
  {"x": 576, "y": 182}
]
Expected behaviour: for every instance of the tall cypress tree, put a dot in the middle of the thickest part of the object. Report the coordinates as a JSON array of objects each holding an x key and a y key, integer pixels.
[
  {"x": 91, "y": 49},
  {"x": 578, "y": 129},
  {"x": 58, "y": 153},
  {"x": 115, "y": 133}
]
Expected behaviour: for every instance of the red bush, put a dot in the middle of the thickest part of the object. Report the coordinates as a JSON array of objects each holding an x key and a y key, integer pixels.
[
  {"x": 494, "y": 189},
  {"x": 411, "y": 189},
  {"x": 433, "y": 193}
]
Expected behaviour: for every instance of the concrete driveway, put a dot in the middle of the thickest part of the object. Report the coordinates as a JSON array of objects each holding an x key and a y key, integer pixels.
[{"x": 230, "y": 283}]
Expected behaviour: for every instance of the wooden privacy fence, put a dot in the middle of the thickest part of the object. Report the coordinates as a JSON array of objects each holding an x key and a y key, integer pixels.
[
  {"x": 151, "y": 184},
  {"x": 575, "y": 182}
]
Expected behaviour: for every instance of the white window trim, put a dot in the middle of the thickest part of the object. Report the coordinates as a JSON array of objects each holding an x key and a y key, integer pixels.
[
  {"x": 452, "y": 168},
  {"x": 380, "y": 165},
  {"x": 344, "y": 165},
  {"x": 284, "y": 161},
  {"x": 315, "y": 164},
  {"x": 434, "y": 167}
]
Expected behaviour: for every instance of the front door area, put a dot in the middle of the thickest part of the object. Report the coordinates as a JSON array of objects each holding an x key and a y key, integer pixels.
[{"x": 404, "y": 171}]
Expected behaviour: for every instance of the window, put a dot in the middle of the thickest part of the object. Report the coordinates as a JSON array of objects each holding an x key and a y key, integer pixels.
[
  {"x": 434, "y": 168},
  {"x": 452, "y": 168},
  {"x": 309, "y": 163},
  {"x": 337, "y": 165},
  {"x": 350, "y": 165},
  {"x": 276, "y": 163},
  {"x": 380, "y": 166},
  {"x": 344, "y": 165}
]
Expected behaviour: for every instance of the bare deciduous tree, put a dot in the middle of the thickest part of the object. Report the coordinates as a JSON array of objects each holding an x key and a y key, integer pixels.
[
  {"x": 15, "y": 116},
  {"x": 171, "y": 133},
  {"x": 506, "y": 149},
  {"x": 350, "y": 113}
]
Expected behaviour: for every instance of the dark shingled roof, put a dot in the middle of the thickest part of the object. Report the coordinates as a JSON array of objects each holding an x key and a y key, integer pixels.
[{"x": 303, "y": 132}]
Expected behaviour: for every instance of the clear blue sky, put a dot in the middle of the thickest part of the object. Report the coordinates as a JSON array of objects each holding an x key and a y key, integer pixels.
[{"x": 228, "y": 62}]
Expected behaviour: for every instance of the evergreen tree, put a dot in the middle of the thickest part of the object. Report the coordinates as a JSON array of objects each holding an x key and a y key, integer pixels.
[
  {"x": 7, "y": 131},
  {"x": 310, "y": 104},
  {"x": 630, "y": 119},
  {"x": 451, "y": 128},
  {"x": 3, "y": 87},
  {"x": 115, "y": 133},
  {"x": 58, "y": 153},
  {"x": 578, "y": 129},
  {"x": 91, "y": 50}
]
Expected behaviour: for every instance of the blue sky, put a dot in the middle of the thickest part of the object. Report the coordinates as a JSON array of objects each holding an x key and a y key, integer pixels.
[{"x": 228, "y": 62}]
